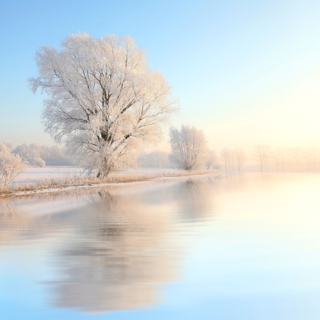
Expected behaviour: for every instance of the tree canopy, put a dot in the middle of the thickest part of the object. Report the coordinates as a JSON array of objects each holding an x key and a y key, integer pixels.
[
  {"x": 104, "y": 99},
  {"x": 189, "y": 147}
]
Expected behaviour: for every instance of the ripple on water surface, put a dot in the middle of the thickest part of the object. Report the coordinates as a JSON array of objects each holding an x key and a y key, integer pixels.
[{"x": 213, "y": 247}]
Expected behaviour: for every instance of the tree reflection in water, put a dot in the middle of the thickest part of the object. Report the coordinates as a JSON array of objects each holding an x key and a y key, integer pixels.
[
  {"x": 11, "y": 221},
  {"x": 120, "y": 252},
  {"x": 116, "y": 250}
]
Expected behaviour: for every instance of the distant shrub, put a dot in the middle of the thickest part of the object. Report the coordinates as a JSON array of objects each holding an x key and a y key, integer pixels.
[
  {"x": 39, "y": 162},
  {"x": 51, "y": 156},
  {"x": 11, "y": 165},
  {"x": 155, "y": 159}
]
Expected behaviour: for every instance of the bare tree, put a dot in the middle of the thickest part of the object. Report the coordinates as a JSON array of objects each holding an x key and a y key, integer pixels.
[
  {"x": 312, "y": 155},
  {"x": 11, "y": 165},
  {"x": 212, "y": 159},
  {"x": 225, "y": 156},
  {"x": 296, "y": 155},
  {"x": 240, "y": 158},
  {"x": 261, "y": 155},
  {"x": 279, "y": 156},
  {"x": 104, "y": 99},
  {"x": 189, "y": 147},
  {"x": 233, "y": 159}
]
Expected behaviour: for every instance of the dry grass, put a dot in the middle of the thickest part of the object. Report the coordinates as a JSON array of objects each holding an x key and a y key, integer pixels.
[{"x": 76, "y": 180}]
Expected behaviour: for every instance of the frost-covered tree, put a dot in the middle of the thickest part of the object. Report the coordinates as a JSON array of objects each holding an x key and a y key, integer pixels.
[
  {"x": 240, "y": 158},
  {"x": 155, "y": 159},
  {"x": 9, "y": 145},
  {"x": 280, "y": 155},
  {"x": 39, "y": 162},
  {"x": 11, "y": 165},
  {"x": 52, "y": 156},
  {"x": 261, "y": 154},
  {"x": 233, "y": 159},
  {"x": 225, "y": 155},
  {"x": 22, "y": 151},
  {"x": 312, "y": 156},
  {"x": 212, "y": 159},
  {"x": 189, "y": 147},
  {"x": 104, "y": 99},
  {"x": 29, "y": 153},
  {"x": 296, "y": 155}
]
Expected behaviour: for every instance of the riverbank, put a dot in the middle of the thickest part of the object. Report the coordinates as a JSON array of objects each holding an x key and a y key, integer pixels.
[{"x": 65, "y": 180}]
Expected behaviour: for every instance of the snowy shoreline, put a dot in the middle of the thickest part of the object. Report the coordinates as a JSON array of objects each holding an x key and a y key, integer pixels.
[{"x": 120, "y": 180}]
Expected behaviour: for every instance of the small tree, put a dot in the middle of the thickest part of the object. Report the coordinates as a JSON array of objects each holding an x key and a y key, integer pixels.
[
  {"x": 312, "y": 155},
  {"x": 296, "y": 155},
  {"x": 39, "y": 162},
  {"x": 240, "y": 158},
  {"x": 279, "y": 156},
  {"x": 261, "y": 154},
  {"x": 189, "y": 147},
  {"x": 11, "y": 165},
  {"x": 212, "y": 159},
  {"x": 226, "y": 158}
]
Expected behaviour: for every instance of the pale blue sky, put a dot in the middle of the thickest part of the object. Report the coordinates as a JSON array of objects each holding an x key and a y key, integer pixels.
[{"x": 245, "y": 71}]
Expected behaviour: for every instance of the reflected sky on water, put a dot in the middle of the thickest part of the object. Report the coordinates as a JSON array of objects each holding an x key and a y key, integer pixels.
[{"x": 212, "y": 247}]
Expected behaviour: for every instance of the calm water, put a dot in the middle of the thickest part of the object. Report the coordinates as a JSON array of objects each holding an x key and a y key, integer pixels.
[{"x": 214, "y": 247}]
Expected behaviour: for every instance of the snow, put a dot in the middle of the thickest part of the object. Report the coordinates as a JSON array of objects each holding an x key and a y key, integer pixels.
[{"x": 36, "y": 174}]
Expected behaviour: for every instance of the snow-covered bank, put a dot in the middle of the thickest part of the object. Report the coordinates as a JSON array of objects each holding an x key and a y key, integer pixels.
[
  {"x": 35, "y": 174},
  {"x": 58, "y": 179},
  {"x": 39, "y": 204}
]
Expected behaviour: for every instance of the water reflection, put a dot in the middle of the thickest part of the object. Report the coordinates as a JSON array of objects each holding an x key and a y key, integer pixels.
[
  {"x": 237, "y": 244},
  {"x": 12, "y": 221},
  {"x": 119, "y": 253},
  {"x": 18, "y": 226},
  {"x": 192, "y": 199},
  {"x": 115, "y": 251}
]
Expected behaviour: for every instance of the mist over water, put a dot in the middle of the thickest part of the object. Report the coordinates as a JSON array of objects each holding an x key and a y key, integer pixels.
[{"x": 229, "y": 246}]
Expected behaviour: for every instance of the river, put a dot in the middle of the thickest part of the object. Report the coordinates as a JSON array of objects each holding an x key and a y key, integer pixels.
[{"x": 224, "y": 246}]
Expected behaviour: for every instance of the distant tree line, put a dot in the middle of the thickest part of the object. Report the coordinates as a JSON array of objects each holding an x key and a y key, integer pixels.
[
  {"x": 189, "y": 151},
  {"x": 34, "y": 154},
  {"x": 286, "y": 159},
  {"x": 233, "y": 159},
  {"x": 279, "y": 159},
  {"x": 155, "y": 159}
]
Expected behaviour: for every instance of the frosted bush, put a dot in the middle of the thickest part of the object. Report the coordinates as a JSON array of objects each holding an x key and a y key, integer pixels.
[
  {"x": 11, "y": 165},
  {"x": 39, "y": 162}
]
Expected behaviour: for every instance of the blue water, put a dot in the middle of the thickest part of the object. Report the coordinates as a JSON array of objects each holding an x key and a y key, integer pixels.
[{"x": 212, "y": 247}]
